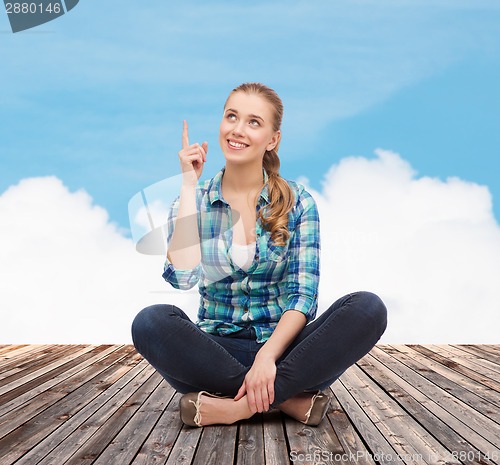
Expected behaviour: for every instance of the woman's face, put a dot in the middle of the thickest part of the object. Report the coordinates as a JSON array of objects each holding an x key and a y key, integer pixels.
[{"x": 246, "y": 129}]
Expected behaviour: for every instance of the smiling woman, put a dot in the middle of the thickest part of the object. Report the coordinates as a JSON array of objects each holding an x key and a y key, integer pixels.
[
  {"x": 246, "y": 135},
  {"x": 250, "y": 240}
]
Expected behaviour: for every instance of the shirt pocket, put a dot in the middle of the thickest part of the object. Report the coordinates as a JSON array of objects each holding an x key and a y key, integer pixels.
[{"x": 277, "y": 253}]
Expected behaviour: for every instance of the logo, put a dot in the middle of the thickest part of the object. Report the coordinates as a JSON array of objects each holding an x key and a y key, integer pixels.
[{"x": 26, "y": 15}]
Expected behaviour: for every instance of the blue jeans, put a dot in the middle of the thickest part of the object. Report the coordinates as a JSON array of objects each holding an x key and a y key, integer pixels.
[{"x": 192, "y": 360}]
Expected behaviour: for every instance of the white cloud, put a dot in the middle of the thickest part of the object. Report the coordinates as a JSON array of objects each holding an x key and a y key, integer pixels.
[
  {"x": 67, "y": 275},
  {"x": 429, "y": 248}
]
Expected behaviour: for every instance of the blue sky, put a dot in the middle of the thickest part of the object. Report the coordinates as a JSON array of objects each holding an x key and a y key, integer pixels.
[
  {"x": 391, "y": 115},
  {"x": 97, "y": 98}
]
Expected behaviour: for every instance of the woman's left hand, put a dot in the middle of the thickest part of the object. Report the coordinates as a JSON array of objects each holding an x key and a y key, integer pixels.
[{"x": 259, "y": 384}]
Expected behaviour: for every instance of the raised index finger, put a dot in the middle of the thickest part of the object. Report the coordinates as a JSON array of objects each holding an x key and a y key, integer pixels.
[{"x": 185, "y": 136}]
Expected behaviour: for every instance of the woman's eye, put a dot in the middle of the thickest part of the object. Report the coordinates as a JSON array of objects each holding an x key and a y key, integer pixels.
[
  {"x": 231, "y": 116},
  {"x": 254, "y": 122}
]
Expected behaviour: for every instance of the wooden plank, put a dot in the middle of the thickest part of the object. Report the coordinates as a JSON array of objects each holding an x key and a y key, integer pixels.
[
  {"x": 35, "y": 358},
  {"x": 490, "y": 348},
  {"x": 157, "y": 447},
  {"x": 410, "y": 440},
  {"x": 378, "y": 445},
  {"x": 2, "y": 347},
  {"x": 24, "y": 384},
  {"x": 352, "y": 444},
  {"x": 478, "y": 373},
  {"x": 21, "y": 440},
  {"x": 473, "y": 358},
  {"x": 486, "y": 408},
  {"x": 107, "y": 427},
  {"x": 478, "y": 351},
  {"x": 32, "y": 353},
  {"x": 275, "y": 445},
  {"x": 65, "y": 439},
  {"x": 67, "y": 370},
  {"x": 444, "y": 427},
  {"x": 129, "y": 440},
  {"x": 8, "y": 349},
  {"x": 216, "y": 445},
  {"x": 12, "y": 358},
  {"x": 250, "y": 449},
  {"x": 27, "y": 368},
  {"x": 465, "y": 382},
  {"x": 25, "y": 412},
  {"x": 448, "y": 407},
  {"x": 310, "y": 445},
  {"x": 185, "y": 446},
  {"x": 94, "y": 416},
  {"x": 100, "y": 408}
]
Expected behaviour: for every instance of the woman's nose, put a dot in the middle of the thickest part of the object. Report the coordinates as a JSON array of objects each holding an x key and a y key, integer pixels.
[{"x": 239, "y": 129}]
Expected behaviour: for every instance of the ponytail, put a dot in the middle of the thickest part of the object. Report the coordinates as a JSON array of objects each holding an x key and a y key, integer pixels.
[{"x": 274, "y": 216}]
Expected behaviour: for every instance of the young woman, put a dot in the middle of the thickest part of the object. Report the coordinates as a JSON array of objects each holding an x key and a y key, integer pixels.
[{"x": 250, "y": 240}]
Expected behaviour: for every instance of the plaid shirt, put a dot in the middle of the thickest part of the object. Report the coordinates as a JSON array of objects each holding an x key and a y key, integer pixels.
[{"x": 280, "y": 278}]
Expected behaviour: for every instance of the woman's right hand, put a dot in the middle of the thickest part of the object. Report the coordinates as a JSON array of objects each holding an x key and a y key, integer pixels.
[{"x": 192, "y": 158}]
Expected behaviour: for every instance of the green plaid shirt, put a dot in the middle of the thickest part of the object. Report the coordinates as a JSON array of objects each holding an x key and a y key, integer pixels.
[{"x": 280, "y": 278}]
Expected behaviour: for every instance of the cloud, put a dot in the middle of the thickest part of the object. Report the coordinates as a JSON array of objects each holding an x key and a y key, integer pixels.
[
  {"x": 67, "y": 274},
  {"x": 429, "y": 248}
]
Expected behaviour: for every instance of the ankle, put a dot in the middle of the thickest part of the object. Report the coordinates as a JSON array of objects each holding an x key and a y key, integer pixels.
[
  {"x": 242, "y": 410},
  {"x": 225, "y": 411},
  {"x": 297, "y": 406}
]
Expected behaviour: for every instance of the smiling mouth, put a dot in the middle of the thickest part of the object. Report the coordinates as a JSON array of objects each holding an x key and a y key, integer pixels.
[{"x": 236, "y": 145}]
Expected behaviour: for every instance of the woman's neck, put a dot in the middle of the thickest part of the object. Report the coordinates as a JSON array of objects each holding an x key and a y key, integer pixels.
[{"x": 242, "y": 179}]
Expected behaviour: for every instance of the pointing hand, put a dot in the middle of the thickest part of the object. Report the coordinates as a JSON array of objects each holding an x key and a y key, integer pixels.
[{"x": 192, "y": 158}]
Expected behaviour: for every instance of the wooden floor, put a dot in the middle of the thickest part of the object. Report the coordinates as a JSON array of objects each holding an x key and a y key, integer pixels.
[{"x": 413, "y": 404}]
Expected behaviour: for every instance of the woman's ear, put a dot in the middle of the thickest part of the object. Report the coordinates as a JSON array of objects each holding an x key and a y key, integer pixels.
[{"x": 274, "y": 141}]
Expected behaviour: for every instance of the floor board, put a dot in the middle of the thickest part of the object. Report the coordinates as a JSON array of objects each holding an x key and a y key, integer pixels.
[{"x": 400, "y": 404}]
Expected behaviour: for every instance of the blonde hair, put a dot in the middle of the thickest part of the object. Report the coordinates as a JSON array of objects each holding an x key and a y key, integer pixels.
[{"x": 274, "y": 216}]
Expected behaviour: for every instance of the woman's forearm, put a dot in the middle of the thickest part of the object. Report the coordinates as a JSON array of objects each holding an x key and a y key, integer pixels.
[
  {"x": 184, "y": 247},
  {"x": 290, "y": 325}
]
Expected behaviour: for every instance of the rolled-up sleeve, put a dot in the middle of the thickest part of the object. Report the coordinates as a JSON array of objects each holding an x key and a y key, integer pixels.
[
  {"x": 304, "y": 259},
  {"x": 180, "y": 279}
]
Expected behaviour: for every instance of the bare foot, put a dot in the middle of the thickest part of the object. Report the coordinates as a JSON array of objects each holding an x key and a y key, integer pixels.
[
  {"x": 217, "y": 411},
  {"x": 297, "y": 406}
]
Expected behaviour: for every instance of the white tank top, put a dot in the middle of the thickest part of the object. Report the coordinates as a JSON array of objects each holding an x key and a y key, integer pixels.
[{"x": 242, "y": 255}]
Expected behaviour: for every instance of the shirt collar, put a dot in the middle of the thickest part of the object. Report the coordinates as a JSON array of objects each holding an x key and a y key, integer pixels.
[{"x": 215, "y": 188}]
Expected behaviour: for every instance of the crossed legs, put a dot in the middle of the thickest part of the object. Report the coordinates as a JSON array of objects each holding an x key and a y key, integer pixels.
[{"x": 191, "y": 361}]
